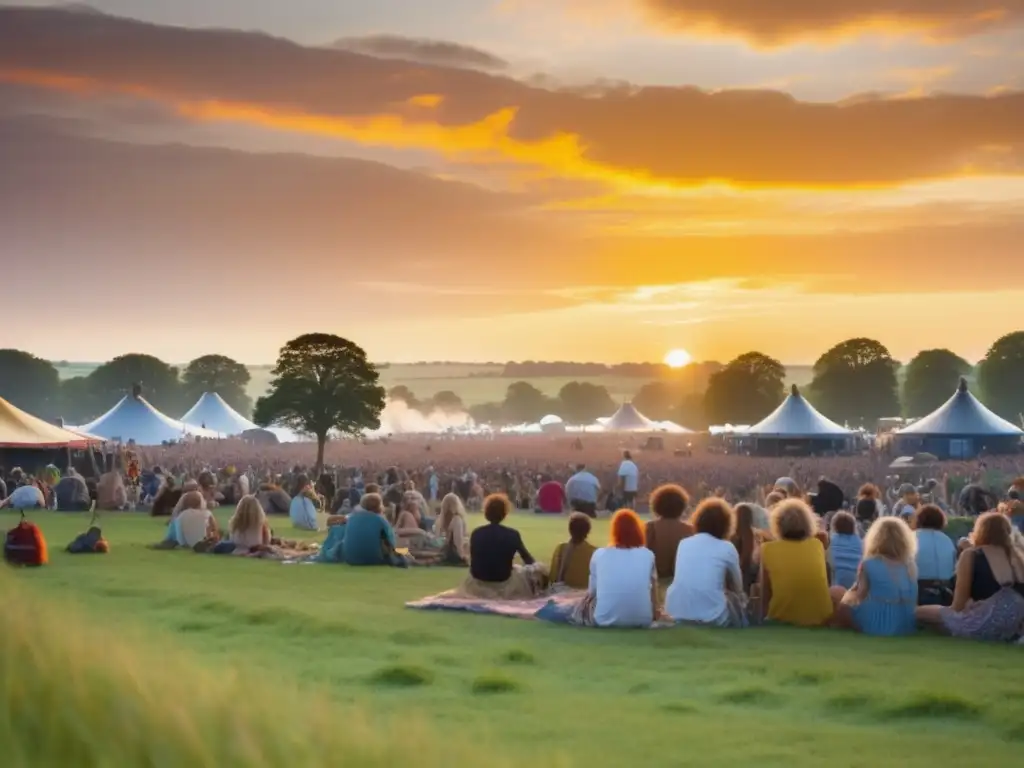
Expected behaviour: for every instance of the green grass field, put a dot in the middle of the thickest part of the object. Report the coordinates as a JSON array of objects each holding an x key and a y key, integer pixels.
[
  {"x": 475, "y": 384},
  {"x": 423, "y": 688}
]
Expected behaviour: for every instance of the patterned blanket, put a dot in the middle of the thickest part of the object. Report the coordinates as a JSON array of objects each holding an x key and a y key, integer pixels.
[{"x": 513, "y": 609}]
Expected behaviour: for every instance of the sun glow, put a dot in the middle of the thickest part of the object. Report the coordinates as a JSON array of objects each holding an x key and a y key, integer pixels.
[{"x": 678, "y": 358}]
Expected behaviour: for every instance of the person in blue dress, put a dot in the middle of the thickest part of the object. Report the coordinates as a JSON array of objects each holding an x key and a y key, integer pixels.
[
  {"x": 884, "y": 599},
  {"x": 845, "y": 550}
]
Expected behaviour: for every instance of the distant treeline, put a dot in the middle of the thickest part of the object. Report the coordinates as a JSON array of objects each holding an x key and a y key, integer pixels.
[{"x": 535, "y": 369}]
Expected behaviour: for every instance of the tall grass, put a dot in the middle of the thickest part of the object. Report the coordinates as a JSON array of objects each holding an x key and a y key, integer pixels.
[{"x": 74, "y": 695}]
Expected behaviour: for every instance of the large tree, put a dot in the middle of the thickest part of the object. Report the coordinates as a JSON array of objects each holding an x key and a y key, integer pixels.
[
  {"x": 160, "y": 383},
  {"x": 404, "y": 394},
  {"x": 660, "y": 400},
  {"x": 584, "y": 403},
  {"x": 855, "y": 382},
  {"x": 746, "y": 390},
  {"x": 446, "y": 402},
  {"x": 930, "y": 380},
  {"x": 1001, "y": 376},
  {"x": 218, "y": 374},
  {"x": 30, "y": 383},
  {"x": 525, "y": 403},
  {"x": 322, "y": 383}
]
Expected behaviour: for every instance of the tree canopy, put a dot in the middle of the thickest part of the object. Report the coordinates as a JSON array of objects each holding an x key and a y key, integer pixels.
[
  {"x": 321, "y": 383},
  {"x": 1001, "y": 376},
  {"x": 855, "y": 382},
  {"x": 161, "y": 385},
  {"x": 218, "y": 374},
  {"x": 447, "y": 402},
  {"x": 584, "y": 403},
  {"x": 660, "y": 400},
  {"x": 525, "y": 403},
  {"x": 30, "y": 383},
  {"x": 930, "y": 380},
  {"x": 746, "y": 390}
]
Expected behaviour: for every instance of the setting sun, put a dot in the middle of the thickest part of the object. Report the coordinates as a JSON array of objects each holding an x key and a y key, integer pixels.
[{"x": 678, "y": 358}]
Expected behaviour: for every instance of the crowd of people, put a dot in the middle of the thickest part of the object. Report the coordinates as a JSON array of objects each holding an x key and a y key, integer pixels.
[{"x": 735, "y": 551}]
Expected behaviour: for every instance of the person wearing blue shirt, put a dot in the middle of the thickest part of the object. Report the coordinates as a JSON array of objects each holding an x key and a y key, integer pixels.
[
  {"x": 936, "y": 557},
  {"x": 845, "y": 549},
  {"x": 302, "y": 510},
  {"x": 369, "y": 538}
]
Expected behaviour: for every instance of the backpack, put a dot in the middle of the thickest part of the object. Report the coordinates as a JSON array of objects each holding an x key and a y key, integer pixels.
[
  {"x": 25, "y": 544},
  {"x": 90, "y": 541}
]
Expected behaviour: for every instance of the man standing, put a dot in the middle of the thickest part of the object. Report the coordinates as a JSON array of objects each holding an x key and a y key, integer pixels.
[
  {"x": 629, "y": 480},
  {"x": 583, "y": 490}
]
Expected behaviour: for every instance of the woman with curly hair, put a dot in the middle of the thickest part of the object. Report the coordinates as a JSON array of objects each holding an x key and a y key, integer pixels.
[
  {"x": 493, "y": 574},
  {"x": 667, "y": 529},
  {"x": 708, "y": 586},
  {"x": 988, "y": 600},
  {"x": 883, "y": 600},
  {"x": 793, "y": 582},
  {"x": 623, "y": 588}
]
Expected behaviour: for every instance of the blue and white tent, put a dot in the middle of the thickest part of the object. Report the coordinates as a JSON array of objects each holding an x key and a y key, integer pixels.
[
  {"x": 134, "y": 419},
  {"x": 211, "y": 412}
]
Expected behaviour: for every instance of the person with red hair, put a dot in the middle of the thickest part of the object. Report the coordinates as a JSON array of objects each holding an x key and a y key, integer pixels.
[{"x": 623, "y": 589}]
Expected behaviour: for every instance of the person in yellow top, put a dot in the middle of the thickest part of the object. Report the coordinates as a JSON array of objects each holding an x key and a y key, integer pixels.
[
  {"x": 570, "y": 563},
  {"x": 793, "y": 582}
]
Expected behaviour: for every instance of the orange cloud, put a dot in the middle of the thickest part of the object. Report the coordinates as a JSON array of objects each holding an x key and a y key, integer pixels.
[
  {"x": 653, "y": 140},
  {"x": 786, "y": 21}
]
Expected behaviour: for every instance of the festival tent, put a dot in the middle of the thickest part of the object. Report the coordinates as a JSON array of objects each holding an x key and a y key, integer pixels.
[
  {"x": 796, "y": 426},
  {"x": 133, "y": 418},
  {"x": 629, "y": 419},
  {"x": 211, "y": 412},
  {"x": 23, "y": 430},
  {"x": 960, "y": 429}
]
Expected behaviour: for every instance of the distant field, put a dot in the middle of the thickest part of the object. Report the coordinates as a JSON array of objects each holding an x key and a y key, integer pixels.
[{"x": 475, "y": 384}]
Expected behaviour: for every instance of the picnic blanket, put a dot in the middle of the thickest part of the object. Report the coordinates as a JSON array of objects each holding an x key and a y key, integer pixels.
[
  {"x": 513, "y": 609},
  {"x": 552, "y": 607}
]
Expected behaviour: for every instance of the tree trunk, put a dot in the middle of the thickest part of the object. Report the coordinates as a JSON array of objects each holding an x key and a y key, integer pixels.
[{"x": 321, "y": 442}]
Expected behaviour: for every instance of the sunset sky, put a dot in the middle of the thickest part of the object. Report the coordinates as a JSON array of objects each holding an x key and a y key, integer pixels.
[{"x": 511, "y": 179}]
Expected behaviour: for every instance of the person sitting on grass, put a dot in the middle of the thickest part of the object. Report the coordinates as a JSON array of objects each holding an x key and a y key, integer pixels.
[
  {"x": 166, "y": 498},
  {"x": 667, "y": 529},
  {"x": 883, "y": 599},
  {"x": 272, "y": 497},
  {"x": 748, "y": 538},
  {"x": 248, "y": 529},
  {"x": 25, "y": 496},
  {"x": 71, "y": 493},
  {"x": 111, "y": 495},
  {"x": 988, "y": 600},
  {"x": 793, "y": 582},
  {"x": 369, "y": 538},
  {"x": 570, "y": 562},
  {"x": 845, "y": 550},
  {"x": 451, "y": 524},
  {"x": 492, "y": 551},
  {"x": 623, "y": 588},
  {"x": 195, "y": 523},
  {"x": 936, "y": 557},
  {"x": 304, "y": 507},
  {"x": 708, "y": 583}
]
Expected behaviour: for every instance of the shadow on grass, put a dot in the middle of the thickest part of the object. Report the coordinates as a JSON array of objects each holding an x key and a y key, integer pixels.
[
  {"x": 400, "y": 676},
  {"x": 494, "y": 683},
  {"x": 749, "y": 697},
  {"x": 518, "y": 656},
  {"x": 931, "y": 705}
]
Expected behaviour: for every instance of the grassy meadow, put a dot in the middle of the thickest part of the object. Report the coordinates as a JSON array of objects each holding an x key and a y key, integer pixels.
[
  {"x": 475, "y": 384},
  {"x": 142, "y": 657}
]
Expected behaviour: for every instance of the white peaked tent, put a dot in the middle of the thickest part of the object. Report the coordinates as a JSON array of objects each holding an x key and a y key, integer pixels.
[
  {"x": 133, "y": 418},
  {"x": 797, "y": 424},
  {"x": 629, "y": 419},
  {"x": 211, "y": 412},
  {"x": 960, "y": 428}
]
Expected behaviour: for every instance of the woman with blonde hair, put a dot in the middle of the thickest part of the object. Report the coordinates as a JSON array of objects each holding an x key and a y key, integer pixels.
[
  {"x": 883, "y": 600},
  {"x": 248, "y": 529},
  {"x": 451, "y": 522},
  {"x": 793, "y": 581},
  {"x": 988, "y": 599}
]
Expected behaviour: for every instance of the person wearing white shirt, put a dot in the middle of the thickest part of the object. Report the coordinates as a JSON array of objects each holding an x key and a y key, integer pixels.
[
  {"x": 583, "y": 490},
  {"x": 623, "y": 588},
  {"x": 26, "y": 496},
  {"x": 629, "y": 480},
  {"x": 708, "y": 583}
]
